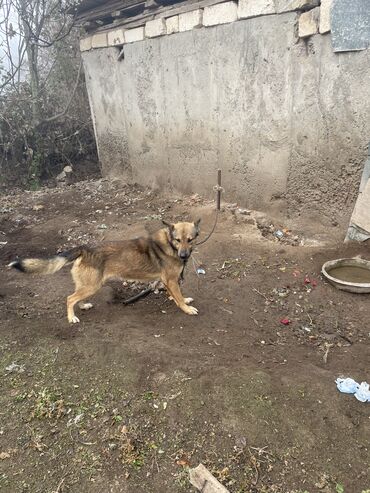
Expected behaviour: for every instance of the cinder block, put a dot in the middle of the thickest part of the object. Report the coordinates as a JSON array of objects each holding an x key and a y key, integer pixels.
[
  {"x": 291, "y": 5},
  {"x": 221, "y": 13},
  {"x": 190, "y": 20},
  {"x": 155, "y": 28},
  {"x": 133, "y": 35},
  {"x": 255, "y": 8},
  {"x": 325, "y": 10},
  {"x": 308, "y": 23},
  {"x": 99, "y": 40},
  {"x": 116, "y": 37},
  {"x": 172, "y": 24},
  {"x": 85, "y": 43}
]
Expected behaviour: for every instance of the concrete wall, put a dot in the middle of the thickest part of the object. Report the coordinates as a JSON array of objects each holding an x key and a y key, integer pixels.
[{"x": 285, "y": 119}]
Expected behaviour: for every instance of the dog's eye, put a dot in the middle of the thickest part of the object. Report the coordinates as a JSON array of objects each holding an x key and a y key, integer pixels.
[{"x": 190, "y": 240}]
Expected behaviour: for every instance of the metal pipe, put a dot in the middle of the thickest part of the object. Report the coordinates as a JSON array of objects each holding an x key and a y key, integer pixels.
[{"x": 219, "y": 189}]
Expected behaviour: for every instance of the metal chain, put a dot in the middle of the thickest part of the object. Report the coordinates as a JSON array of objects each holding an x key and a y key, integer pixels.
[{"x": 211, "y": 233}]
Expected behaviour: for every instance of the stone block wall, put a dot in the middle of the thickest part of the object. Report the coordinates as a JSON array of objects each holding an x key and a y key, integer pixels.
[
  {"x": 313, "y": 18},
  {"x": 252, "y": 87}
]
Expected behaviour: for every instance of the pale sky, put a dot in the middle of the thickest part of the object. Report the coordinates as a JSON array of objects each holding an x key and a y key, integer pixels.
[{"x": 13, "y": 42}]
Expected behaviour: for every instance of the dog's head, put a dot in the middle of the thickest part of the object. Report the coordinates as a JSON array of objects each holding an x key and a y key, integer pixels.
[{"x": 181, "y": 237}]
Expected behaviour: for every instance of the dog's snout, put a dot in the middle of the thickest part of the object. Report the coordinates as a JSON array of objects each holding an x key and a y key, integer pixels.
[{"x": 184, "y": 254}]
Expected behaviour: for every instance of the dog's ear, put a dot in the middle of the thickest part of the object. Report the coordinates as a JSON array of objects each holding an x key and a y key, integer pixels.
[
  {"x": 196, "y": 224},
  {"x": 168, "y": 225}
]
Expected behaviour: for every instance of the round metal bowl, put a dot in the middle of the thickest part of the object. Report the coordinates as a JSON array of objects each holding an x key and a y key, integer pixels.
[{"x": 352, "y": 287}]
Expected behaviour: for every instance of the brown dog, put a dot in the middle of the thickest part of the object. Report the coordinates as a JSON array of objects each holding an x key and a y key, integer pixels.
[{"x": 162, "y": 256}]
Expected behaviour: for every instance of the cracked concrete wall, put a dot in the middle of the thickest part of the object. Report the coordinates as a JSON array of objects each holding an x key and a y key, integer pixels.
[{"x": 287, "y": 121}]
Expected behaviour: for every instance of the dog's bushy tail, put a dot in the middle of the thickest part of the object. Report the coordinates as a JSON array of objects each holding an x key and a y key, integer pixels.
[{"x": 48, "y": 265}]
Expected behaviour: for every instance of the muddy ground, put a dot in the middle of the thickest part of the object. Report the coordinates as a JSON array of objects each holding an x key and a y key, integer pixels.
[{"x": 133, "y": 396}]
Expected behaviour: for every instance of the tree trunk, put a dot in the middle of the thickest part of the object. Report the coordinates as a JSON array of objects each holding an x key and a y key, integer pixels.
[{"x": 34, "y": 152}]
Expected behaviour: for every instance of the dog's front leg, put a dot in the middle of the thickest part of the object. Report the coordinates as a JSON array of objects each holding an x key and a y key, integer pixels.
[{"x": 174, "y": 291}]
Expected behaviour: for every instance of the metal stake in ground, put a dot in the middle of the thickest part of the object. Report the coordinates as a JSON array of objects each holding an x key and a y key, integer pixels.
[{"x": 218, "y": 188}]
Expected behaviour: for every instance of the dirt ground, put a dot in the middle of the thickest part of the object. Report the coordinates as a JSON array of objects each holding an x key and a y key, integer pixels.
[{"x": 130, "y": 398}]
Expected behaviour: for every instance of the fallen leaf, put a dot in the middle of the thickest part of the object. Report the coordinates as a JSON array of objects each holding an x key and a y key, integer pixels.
[{"x": 182, "y": 462}]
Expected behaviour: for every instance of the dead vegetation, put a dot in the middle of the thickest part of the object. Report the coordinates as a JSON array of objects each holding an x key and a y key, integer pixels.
[{"x": 45, "y": 121}]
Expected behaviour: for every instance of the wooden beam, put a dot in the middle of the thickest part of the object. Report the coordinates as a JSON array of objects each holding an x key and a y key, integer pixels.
[
  {"x": 151, "y": 4},
  {"x": 161, "y": 12},
  {"x": 204, "y": 481},
  {"x": 107, "y": 9}
]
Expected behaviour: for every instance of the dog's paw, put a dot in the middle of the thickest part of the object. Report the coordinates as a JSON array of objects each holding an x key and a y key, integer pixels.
[
  {"x": 191, "y": 310},
  {"x": 188, "y": 300},
  {"x": 74, "y": 320},
  {"x": 86, "y": 306}
]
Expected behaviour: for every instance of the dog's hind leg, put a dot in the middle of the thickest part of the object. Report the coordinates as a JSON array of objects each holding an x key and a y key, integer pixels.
[
  {"x": 174, "y": 291},
  {"x": 87, "y": 282}
]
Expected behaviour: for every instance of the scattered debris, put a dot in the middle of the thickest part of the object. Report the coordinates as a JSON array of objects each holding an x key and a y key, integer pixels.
[
  {"x": 347, "y": 385},
  {"x": 152, "y": 217},
  {"x": 174, "y": 396},
  {"x": 201, "y": 270},
  {"x": 75, "y": 420},
  {"x": 195, "y": 199},
  {"x": 204, "y": 481},
  {"x": 261, "y": 294},
  {"x": 270, "y": 231},
  {"x": 363, "y": 392},
  {"x": 67, "y": 170},
  {"x": 183, "y": 462},
  {"x": 350, "y": 386},
  {"x": 243, "y": 212},
  {"x": 285, "y": 321},
  {"x": 327, "y": 347},
  {"x": 15, "y": 368}
]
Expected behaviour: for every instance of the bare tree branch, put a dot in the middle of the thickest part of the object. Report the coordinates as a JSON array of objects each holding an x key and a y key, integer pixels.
[{"x": 63, "y": 113}]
